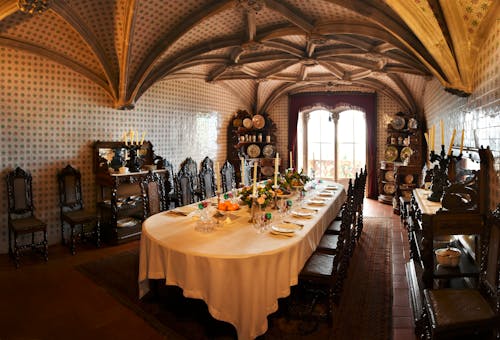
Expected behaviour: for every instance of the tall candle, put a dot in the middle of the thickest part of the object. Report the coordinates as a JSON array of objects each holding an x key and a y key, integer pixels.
[
  {"x": 131, "y": 137},
  {"x": 143, "y": 135},
  {"x": 442, "y": 131},
  {"x": 254, "y": 179},
  {"x": 291, "y": 160},
  {"x": 217, "y": 176},
  {"x": 462, "y": 142},
  {"x": 451, "y": 141},
  {"x": 426, "y": 135},
  {"x": 242, "y": 170},
  {"x": 276, "y": 168},
  {"x": 433, "y": 137},
  {"x": 137, "y": 137}
]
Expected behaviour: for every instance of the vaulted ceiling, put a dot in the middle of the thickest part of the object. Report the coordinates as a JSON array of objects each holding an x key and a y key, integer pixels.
[{"x": 259, "y": 49}]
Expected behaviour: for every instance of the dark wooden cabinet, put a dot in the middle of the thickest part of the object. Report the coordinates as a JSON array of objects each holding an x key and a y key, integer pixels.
[
  {"x": 122, "y": 197},
  {"x": 253, "y": 138},
  {"x": 431, "y": 226}
]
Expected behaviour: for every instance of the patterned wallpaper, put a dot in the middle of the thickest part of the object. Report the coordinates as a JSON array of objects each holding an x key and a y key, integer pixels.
[
  {"x": 479, "y": 114},
  {"x": 50, "y": 116}
]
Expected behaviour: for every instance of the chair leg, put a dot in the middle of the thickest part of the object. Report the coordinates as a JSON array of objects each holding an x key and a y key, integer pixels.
[
  {"x": 63, "y": 241},
  {"x": 73, "y": 240},
  {"x": 98, "y": 233},
  {"x": 45, "y": 246},
  {"x": 17, "y": 252}
]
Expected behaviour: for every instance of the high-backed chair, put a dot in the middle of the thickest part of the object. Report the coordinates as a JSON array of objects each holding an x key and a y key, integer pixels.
[
  {"x": 469, "y": 313},
  {"x": 184, "y": 187},
  {"x": 152, "y": 187},
  {"x": 228, "y": 177},
  {"x": 207, "y": 179},
  {"x": 169, "y": 189},
  {"x": 21, "y": 218},
  {"x": 190, "y": 167},
  {"x": 73, "y": 211}
]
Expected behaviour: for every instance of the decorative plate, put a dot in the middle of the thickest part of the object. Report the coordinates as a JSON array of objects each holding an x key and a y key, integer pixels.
[
  {"x": 253, "y": 150},
  {"x": 391, "y": 154},
  {"x": 267, "y": 170},
  {"x": 398, "y": 123},
  {"x": 237, "y": 122},
  {"x": 126, "y": 222},
  {"x": 406, "y": 152},
  {"x": 389, "y": 188},
  {"x": 412, "y": 123},
  {"x": 247, "y": 123},
  {"x": 408, "y": 179},
  {"x": 258, "y": 121},
  {"x": 268, "y": 151},
  {"x": 389, "y": 176}
]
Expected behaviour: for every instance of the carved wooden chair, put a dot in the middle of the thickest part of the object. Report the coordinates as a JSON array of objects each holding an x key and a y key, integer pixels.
[
  {"x": 154, "y": 198},
  {"x": 21, "y": 218},
  {"x": 72, "y": 210},
  {"x": 207, "y": 179},
  {"x": 184, "y": 187},
  {"x": 469, "y": 313},
  {"x": 228, "y": 177},
  {"x": 190, "y": 167},
  {"x": 169, "y": 182}
]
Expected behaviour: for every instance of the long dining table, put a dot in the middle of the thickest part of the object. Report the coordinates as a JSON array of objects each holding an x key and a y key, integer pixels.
[{"x": 239, "y": 273}]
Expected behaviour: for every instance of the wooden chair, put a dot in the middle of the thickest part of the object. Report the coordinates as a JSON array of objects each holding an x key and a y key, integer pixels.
[
  {"x": 169, "y": 182},
  {"x": 72, "y": 210},
  {"x": 228, "y": 177},
  {"x": 359, "y": 198},
  {"x": 469, "y": 313},
  {"x": 21, "y": 218},
  {"x": 152, "y": 188},
  {"x": 184, "y": 187},
  {"x": 207, "y": 179},
  {"x": 191, "y": 168}
]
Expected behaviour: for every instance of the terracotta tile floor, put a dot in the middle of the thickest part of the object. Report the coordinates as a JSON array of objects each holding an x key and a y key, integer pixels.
[
  {"x": 54, "y": 301},
  {"x": 402, "y": 317}
]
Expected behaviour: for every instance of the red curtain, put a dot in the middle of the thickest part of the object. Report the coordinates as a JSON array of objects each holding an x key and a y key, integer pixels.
[{"x": 366, "y": 101}]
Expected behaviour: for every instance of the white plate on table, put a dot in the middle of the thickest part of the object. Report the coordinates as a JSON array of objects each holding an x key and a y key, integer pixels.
[
  {"x": 325, "y": 194},
  {"x": 331, "y": 187},
  {"x": 284, "y": 228},
  {"x": 319, "y": 202},
  {"x": 303, "y": 213}
]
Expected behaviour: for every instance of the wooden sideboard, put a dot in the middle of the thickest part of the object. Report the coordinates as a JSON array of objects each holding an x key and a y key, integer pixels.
[{"x": 431, "y": 226}]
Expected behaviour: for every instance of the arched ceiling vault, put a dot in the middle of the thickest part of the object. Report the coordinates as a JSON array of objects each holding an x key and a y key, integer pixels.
[{"x": 259, "y": 49}]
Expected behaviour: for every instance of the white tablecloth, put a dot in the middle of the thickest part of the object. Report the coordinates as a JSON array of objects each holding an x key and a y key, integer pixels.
[{"x": 239, "y": 273}]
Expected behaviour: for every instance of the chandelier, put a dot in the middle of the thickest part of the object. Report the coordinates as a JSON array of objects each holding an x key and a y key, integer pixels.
[{"x": 33, "y": 6}]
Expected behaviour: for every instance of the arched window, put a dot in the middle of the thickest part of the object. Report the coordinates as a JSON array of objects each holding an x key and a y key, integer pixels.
[{"x": 331, "y": 144}]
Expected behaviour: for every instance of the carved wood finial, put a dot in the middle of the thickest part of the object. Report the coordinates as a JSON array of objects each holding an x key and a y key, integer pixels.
[
  {"x": 33, "y": 6},
  {"x": 251, "y": 5}
]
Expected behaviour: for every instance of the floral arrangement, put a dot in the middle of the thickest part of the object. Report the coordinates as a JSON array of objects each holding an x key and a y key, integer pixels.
[
  {"x": 295, "y": 179},
  {"x": 265, "y": 194}
]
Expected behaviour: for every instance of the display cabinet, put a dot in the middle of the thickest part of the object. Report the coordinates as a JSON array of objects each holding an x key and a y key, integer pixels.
[
  {"x": 122, "y": 194},
  {"x": 432, "y": 225},
  {"x": 253, "y": 138}
]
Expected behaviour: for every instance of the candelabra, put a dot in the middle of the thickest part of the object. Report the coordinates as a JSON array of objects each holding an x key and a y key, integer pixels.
[
  {"x": 440, "y": 173},
  {"x": 134, "y": 163}
]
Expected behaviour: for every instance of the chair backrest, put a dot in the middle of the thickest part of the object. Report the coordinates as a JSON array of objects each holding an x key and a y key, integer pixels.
[
  {"x": 207, "y": 163},
  {"x": 207, "y": 182},
  {"x": 69, "y": 181},
  {"x": 154, "y": 196},
  {"x": 228, "y": 177},
  {"x": 190, "y": 167},
  {"x": 19, "y": 193},
  {"x": 169, "y": 183},
  {"x": 489, "y": 277},
  {"x": 184, "y": 187},
  {"x": 248, "y": 174}
]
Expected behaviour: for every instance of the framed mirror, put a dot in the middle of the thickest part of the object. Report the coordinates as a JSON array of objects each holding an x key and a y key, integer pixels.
[{"x": 116, "y": 154}]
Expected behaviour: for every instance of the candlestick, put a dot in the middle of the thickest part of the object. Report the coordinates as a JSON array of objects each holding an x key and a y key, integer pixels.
[
  {"x": 276, "y": 167},
  {"x": 451, "y": 141},
  {"x": 462, "y": 142},
  {"x": 217, "y": 176},
  {"x": 442, "y": 131},
  {"x": 291, "y": 160},
  {"x": 254, "y": 192},
  {"x": 242, "y": 170}
]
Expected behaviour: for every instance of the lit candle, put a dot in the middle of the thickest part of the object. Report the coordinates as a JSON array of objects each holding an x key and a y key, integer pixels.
[
  {"x": 242, "y": 170},
  {"x": 124, "y": 137},
  {"x": 276, "y": 167},
  {"x": 291, "y": 160},
  {"x": 442, "y": 131},
  {"x": 433, "y": 137},
  {"x": 451, "y": 141},
  {"x": 131, "y": 137},
  {"x": 462, "y": 142},
  {"x": 143, "y": 135},
  {"x": 217, "y": 176},
  {"x": 254, "y": 179},
  {"x": 137, "y": 137},
  {"x": 426, "y": 135}
]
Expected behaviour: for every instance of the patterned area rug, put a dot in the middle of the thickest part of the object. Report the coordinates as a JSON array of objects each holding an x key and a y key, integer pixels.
[{"x": 364, "y": 311}]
